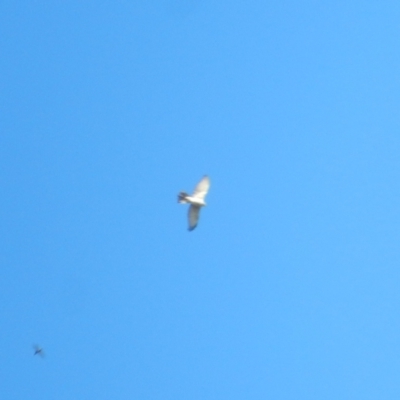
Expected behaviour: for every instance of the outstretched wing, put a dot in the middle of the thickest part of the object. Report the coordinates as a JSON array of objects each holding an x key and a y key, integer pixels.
[
  {"x": 202, "y": 188},
  {"x": 193, "y": 216}
]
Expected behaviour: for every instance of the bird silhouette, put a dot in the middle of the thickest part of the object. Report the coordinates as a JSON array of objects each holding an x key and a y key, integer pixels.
[{"x": 38, "y": 350}]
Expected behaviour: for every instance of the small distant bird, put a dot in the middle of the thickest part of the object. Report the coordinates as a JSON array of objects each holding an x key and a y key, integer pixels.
[
  {"x": 38, "y": 351},
  {"x": 196, "y": 200}
]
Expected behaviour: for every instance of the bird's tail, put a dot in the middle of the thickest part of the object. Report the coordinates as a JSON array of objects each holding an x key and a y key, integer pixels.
[{"x": 182, "y": 197}]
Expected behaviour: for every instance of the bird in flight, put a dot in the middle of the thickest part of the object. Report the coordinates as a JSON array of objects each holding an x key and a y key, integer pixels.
[
  {"x": 196, "y": 200},
  {"x": 38, "y": 351}
]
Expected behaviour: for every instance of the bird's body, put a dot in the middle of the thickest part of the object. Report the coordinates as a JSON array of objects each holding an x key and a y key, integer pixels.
[
  {"x": 185, "y": 198},
  {"x": 196, "y": 200}
]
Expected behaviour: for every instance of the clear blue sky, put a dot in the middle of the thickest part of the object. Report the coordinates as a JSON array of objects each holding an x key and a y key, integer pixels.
[{"x": 289, "y": 288}]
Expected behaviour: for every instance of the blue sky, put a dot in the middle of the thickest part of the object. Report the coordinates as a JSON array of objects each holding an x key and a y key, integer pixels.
[{"x": 289, "y": 286}]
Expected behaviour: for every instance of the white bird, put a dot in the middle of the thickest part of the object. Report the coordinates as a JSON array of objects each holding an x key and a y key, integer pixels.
[{"x": 196, "y": 200}]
